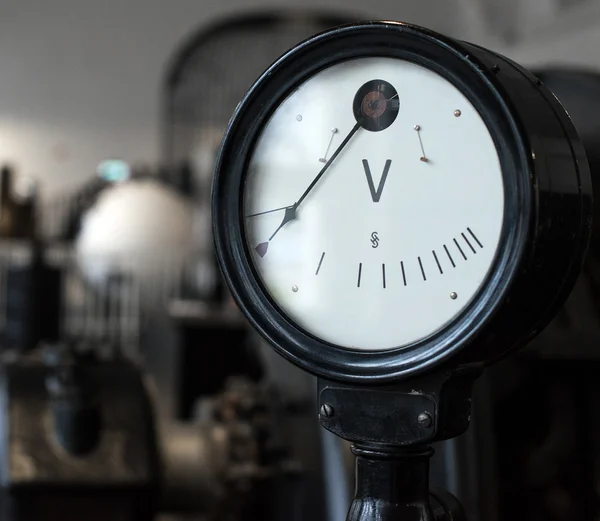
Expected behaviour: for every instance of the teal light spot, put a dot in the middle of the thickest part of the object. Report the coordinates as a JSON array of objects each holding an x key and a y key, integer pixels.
[{"x": 113, "y": 170}]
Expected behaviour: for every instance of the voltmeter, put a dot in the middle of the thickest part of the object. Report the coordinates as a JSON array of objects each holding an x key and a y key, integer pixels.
[
  {"x": 387, "y": 199},
  {"x": 391, "y": 204}
]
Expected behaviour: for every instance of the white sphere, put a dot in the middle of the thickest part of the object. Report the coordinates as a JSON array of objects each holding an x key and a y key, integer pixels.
[{"x": 142, "y": 228}]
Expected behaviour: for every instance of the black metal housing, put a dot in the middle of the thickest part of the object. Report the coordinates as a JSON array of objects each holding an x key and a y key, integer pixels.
[{"x": 547, "y": 215}]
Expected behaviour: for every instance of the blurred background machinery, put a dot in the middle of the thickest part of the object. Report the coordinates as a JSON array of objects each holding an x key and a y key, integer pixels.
[
  {"x": 129, "y": 377},
  {"x": 86, "y": 315}
]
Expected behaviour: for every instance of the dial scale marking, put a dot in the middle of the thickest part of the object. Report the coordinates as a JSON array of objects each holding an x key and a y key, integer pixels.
[{"x": 421, "y": 263}]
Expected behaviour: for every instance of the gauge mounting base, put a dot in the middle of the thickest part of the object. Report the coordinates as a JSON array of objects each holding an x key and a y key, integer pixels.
[{"x": 392, "y": 428}]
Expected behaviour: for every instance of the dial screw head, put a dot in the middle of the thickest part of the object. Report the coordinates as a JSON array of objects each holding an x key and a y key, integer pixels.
[
  {"x": 299, "y": 117},
  {"x": 425, "y": 419},
  {"x": 453, "y": 295},
  {"x": 327, "y": 410},
  {"x": 295, "y": 288},
  {"x": 457, "y": 113}
]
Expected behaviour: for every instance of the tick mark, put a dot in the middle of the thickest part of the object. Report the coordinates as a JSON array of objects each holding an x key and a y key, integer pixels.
[
  {"x": 320, "y": 262},
  {"x": 460, "y": 249},
  {"x": 474, "y": 237},
  {"x": 449, "y": 256},
  {"x": 403, "y": 273},
  {"x": 383, "y": 273},
  {"x": 422, "y": 270},
  {"x": 467, "y": 241},
  {"x": 359, "y": 273},
  {"x": 437, "y": 261}
]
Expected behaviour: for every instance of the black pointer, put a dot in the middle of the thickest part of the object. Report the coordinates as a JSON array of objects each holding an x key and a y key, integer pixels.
[
  {"x": 290, "y": 212},
  {"x": 268, "y": 211},
  {"x": 290, "y": 215},
  {"x": 320, "y": 173}
]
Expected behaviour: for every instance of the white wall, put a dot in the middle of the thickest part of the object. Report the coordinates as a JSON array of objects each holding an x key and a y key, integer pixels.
[
  {"x": 80, "y": 79},
  {"x": 572, "y": 38}
]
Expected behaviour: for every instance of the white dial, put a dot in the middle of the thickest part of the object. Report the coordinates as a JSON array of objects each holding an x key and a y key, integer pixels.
[{"x": 402, "y": 225}]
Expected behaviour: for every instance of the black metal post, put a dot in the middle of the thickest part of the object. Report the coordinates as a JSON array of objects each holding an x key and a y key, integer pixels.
[{"x": 392, "y": 484}]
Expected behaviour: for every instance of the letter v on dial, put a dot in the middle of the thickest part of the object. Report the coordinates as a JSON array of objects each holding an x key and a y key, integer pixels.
[{"x": 376, "y": 193}]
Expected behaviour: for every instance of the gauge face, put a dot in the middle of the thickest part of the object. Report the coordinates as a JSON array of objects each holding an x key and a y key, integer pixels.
[{"x": 373, "y": 204}]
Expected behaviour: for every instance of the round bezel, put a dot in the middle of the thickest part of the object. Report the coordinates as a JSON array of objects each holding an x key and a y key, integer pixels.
[{"x": 447, "y": 58}]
